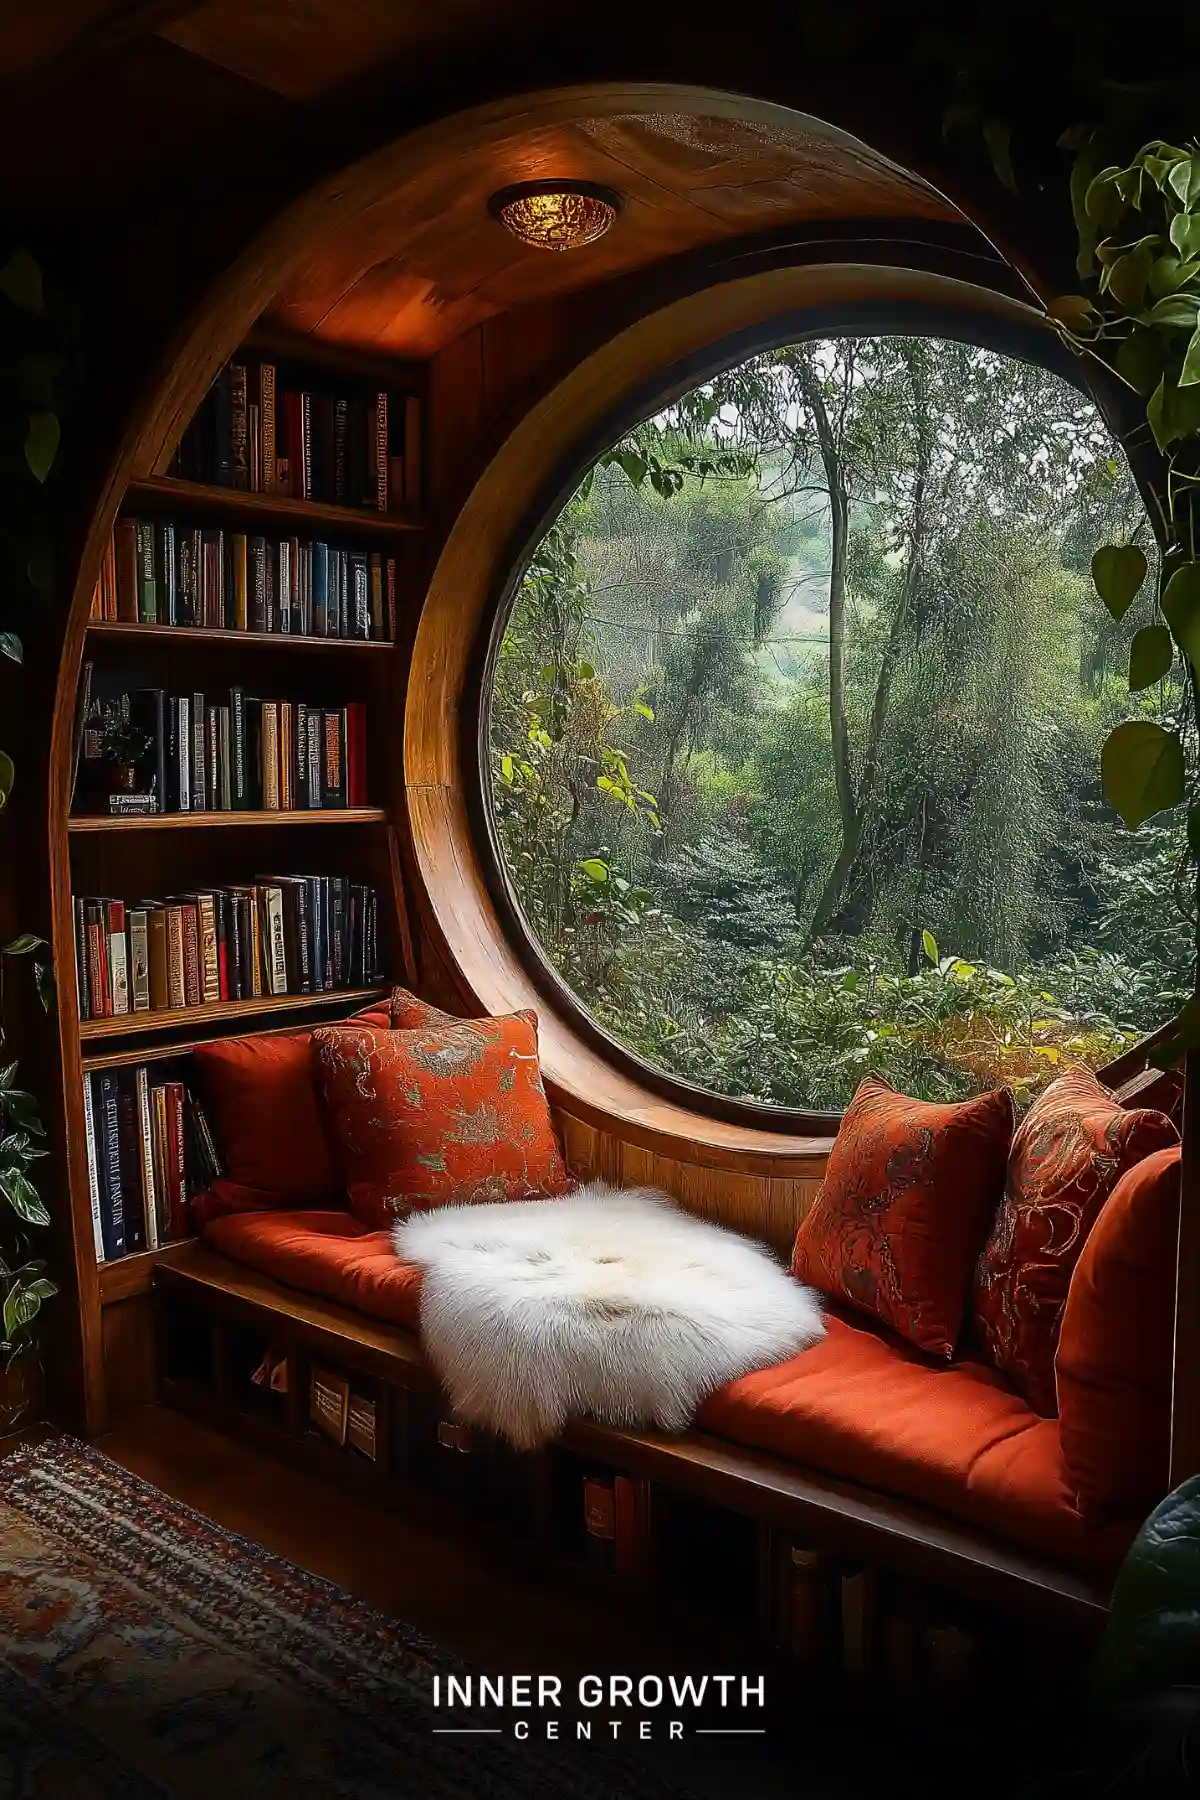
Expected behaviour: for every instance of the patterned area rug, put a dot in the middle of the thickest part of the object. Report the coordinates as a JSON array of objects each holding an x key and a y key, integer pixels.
[{"x": 149, "y": 1655}]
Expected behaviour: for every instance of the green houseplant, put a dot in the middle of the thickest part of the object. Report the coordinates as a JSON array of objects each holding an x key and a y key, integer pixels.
[
  {"x": 1139, "y": 258},
  {"x": 31, "y": 367}
]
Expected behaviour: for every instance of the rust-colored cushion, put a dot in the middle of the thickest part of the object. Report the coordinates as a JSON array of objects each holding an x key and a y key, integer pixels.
[
  {"x": 869, "y": 1409},
  {"x": 328, "y": 1253},
  {"x": 263, "y": 1110},
  {"x": 904, "y": 1207},
  {"x": 1073, "y": 1146},
  {"x": 453, "y": 1112},
  {"x": 1113, "y": 1367},
  {"x": 408, "y": 1012}
]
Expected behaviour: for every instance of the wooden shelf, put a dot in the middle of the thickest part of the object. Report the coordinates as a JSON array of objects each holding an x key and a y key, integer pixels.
[
  {"x": 130, "y": 1275},
  {"x": 165, "y": 492},
  {"x": 277, "y": 640},
  {"x": 202, "y": 821},
  {"x": 182, "y": 1018}
]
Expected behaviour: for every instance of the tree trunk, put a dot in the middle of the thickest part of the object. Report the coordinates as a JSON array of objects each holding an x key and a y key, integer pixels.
[{"x": 839, "y": 735}]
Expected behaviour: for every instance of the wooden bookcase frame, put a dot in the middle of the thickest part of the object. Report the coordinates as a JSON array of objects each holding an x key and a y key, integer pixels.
[{"x": 171, "y": 852}]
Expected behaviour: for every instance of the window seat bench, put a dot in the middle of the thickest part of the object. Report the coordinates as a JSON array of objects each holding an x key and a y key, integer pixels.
[{"x": 864, "y": 1447}]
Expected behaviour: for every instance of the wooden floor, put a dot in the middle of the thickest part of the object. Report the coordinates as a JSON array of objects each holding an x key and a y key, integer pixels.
[{"x": 494, "y": 1608}]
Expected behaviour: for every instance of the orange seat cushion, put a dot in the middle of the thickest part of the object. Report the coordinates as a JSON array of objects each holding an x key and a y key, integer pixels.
[
  {"x": 265, "y": 1119},
  {"x": 451, "y": 1112},
  {"x": 328, "y": 1253},
  {"x": 1073, "y": 1146},
  {"x": 904, "y": 1209},
  {"x": 1113, "y": 1367},
  {"x": 872, "y": 1411}
]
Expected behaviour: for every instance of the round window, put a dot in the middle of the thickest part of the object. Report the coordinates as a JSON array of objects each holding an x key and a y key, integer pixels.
[{"x": 793, "y": 733}]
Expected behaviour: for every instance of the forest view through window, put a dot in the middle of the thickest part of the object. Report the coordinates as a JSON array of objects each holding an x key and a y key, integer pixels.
[{"x": 795, "y": 733}]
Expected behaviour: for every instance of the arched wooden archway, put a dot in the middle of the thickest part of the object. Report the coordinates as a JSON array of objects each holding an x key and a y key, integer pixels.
[{"x": 452, "y": 894}]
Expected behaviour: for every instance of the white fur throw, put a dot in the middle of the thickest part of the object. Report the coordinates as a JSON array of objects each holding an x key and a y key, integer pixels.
[{"x": 608, "y": 1302}]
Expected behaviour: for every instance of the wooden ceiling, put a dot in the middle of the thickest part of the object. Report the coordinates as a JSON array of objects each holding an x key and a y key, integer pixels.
[
  {"x": 162, "y": 105},
  {"x": 428, "y": 262}
]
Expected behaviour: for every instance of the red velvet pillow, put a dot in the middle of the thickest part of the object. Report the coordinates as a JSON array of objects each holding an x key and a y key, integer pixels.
[
  {"x": 1113, "y": 1367},
  {"x": 1073, "y": 1146},
  {"x": 262, "y": 1107},
  {"x": 452, "y": 1112},
  {"x": 908, "y": 1192}
]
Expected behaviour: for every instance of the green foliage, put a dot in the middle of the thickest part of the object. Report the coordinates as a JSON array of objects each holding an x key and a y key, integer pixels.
[
  {"x": 1152, "y": 1638},
  {"x": 30, "y": 374},
  {"x": 955, "y": 905}
]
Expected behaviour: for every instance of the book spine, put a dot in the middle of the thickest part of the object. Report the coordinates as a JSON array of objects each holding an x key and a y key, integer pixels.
[
  {"x": 160, "y": 981},
  {"x": 391, "y": 598},
  {"x": 258, "y": 584},
  {"x": 113, "y": 1196},
  {"x": 276, "y": 942},
  {"x": 146, "y": 1150},
  {"x": 129, "y": 587},
  {"x": 333, "y": 775},
  {"x": 176, "y": 984},
  {"x": 147, "y": 584},
  {"x": 266, "y": 403},
  {"x": 199, "y": 761},
  {"x": 239, "y": 446},
  {"x": 377, "y": 601},
  {"x": 341, "y": 432},
  {"x": 183, "y": 752},
  {"x": 283, "y": 586},
  {"x": 210, "y": 972},
  {"x": 270, "y": 756},
  {"x": 193, "y": 985},
  {"x": 139, "y": 959},
  {"x": 178, "y": 1215},
  {"x": 168, "y": 595},
  {"x": 381, "y": 452},
  {"x": 306, "y": 450},
  {"x": 82, "y": 984},
  {"x": 356, "y": 753},
  {"x": 118, "y": 962},
  {"x": 89, "y": 1129},
  {"x": 240, "y": 760}
]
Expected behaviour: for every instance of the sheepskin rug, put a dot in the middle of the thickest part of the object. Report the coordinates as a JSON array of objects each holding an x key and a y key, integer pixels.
[{"x": 609, "y": 1302}]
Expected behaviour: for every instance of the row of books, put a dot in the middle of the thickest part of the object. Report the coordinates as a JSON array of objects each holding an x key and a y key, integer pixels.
[
  {"x": 149, "y": 1148},
  {"x": 160, "y": 572},
  {"x": 236, "y": 754},
  {"x": 272, "y": 431},
  {"x": 285, "y": 934}
]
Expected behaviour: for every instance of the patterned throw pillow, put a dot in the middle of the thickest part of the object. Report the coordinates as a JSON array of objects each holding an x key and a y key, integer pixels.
[
  {"x": 453, "y": 1111},
  {"x": 1074, "y": 1145},
  {"x": 407, "y": 1011},
  {"x": 908, "y": 1193}
]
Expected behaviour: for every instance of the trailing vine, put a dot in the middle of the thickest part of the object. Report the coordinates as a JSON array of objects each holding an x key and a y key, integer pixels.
[
  {"x": 1138, "y": 226},
  {"x": 32, "y": 371}
]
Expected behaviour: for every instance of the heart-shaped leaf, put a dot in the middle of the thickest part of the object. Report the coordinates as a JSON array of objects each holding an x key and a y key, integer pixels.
[
  {"x": 1126, "y": 278},
  {"x": 11, "y": 646},
  {"x": 1142, "y": 771},
  {"x": 1178, "y": 311},
  {"x": 1140, "y": 360},
  {"x": 1185, "y": 233},
  {"x": 23, "y": 1197},
  {"x": 21, "y": 282},
  {"x": 8, "y": 775},
  {"x": 1189, "y": 374},
  {"x": 41, "y": 443},
  {"x": 43, "y": 980},
  {"x": 1150, "y": 656},
  {"x": 1185, "y": 179},
  {"x": 1118, "y": 571},
  {"x": 1181, "y": 609},
  {"x": 22, "y": 945},
  {"x": 1074, "y": 311}
]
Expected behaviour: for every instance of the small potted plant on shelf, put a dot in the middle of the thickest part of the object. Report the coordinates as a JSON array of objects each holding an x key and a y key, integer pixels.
[{"x": 122, "y": 747}]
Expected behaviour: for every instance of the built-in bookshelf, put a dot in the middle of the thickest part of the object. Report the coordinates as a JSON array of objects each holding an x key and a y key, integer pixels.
[{"x": 243, "y": 628}]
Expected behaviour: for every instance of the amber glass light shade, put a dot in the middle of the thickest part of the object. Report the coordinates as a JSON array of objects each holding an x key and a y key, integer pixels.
[{"x": 556, "y": 215}]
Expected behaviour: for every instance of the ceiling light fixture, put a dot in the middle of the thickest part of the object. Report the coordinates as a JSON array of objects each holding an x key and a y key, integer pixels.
[{"x": 556, "y": 215}]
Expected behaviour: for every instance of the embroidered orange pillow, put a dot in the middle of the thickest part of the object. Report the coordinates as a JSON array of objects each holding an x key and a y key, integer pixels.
[
  {"x": 407, "y": 1011},
  {"x": 1113, "y": 1366},
  {"x": 454, "y": 1111},
  {"x": 904, "y": 1206},
  {"x": 1073, "y": 1146}
]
